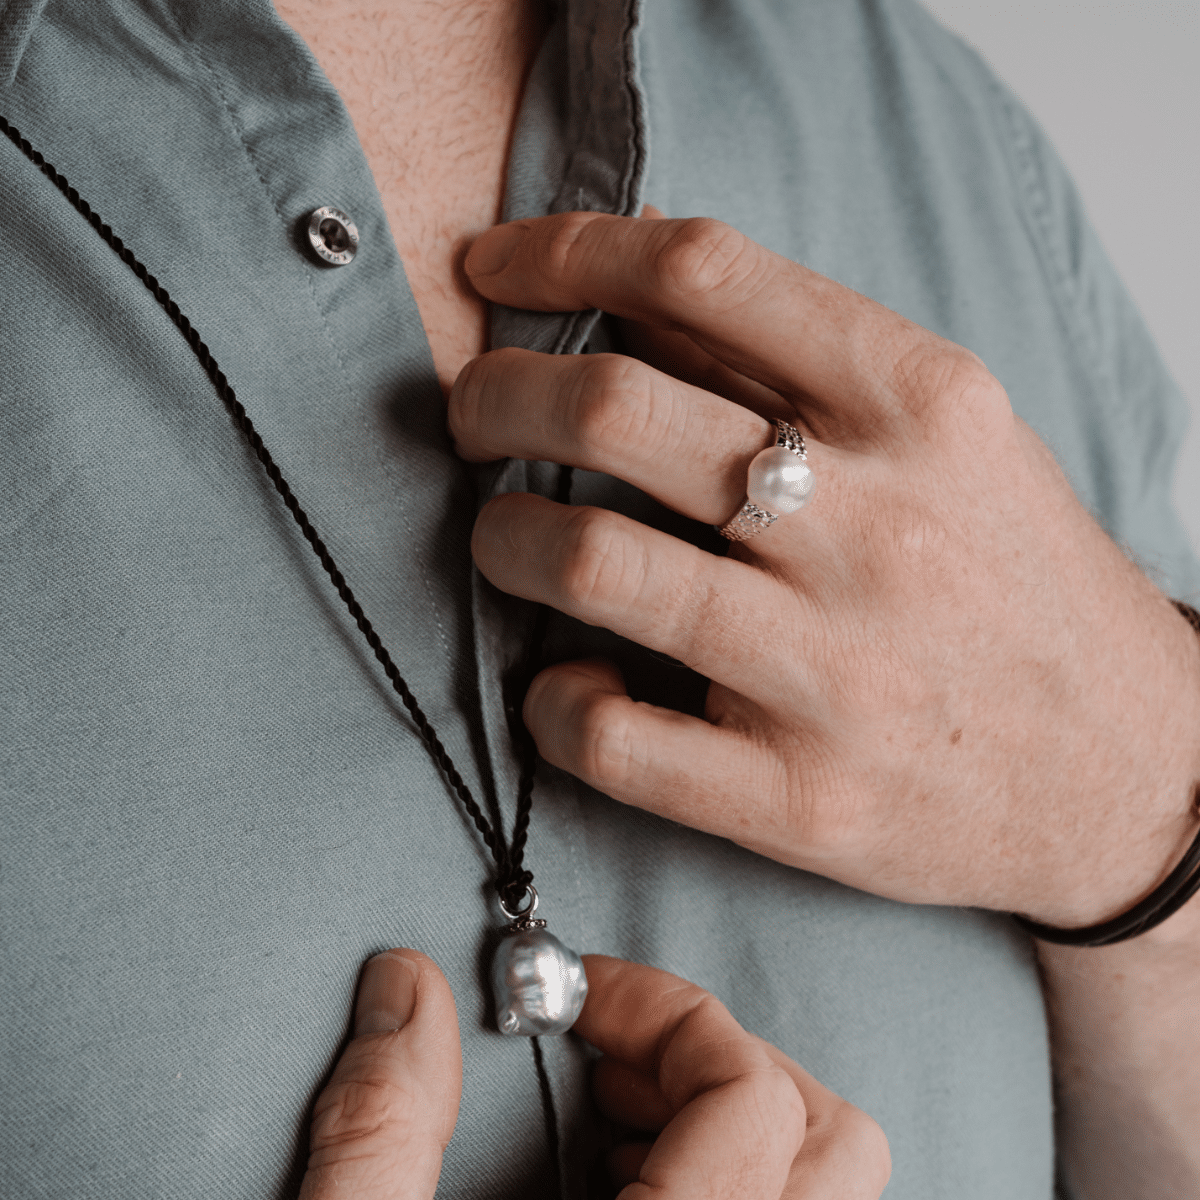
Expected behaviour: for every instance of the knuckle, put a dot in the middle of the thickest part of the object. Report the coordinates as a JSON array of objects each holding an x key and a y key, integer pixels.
[
  {"x": 815, "y": 827},
  {"x": 613, "y": 408},
  {"x": 864, "y": 1145},
  {"x": 935, "y": 377},
  {"x": 606, "y": 735},
  {"x": 700, "y": 1021},
  {"x": 597, "y": 568},
  {"x": 470, "y": 397},
  {"x": 785, "y": 1107},
  {"x": 803, "y": 806},
  {"x": 772, "y": 1121},
  {"x": 921, "y": 555},
  {"x": 703, "y": 1013},
  {"x": 354, "y": 1113},
  {"x": 705, "y": 258},
  {"x": 561, "y": 243}
]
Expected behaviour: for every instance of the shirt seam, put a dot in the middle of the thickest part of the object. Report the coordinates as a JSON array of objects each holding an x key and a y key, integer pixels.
[
  {"x": 266, "y": 187},
  {"x": 636, "y": 141},
  {"x": 1035, "y": 205}
]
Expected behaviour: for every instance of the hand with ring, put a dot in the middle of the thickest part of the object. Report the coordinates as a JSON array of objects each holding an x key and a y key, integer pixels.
[{"x": 940, "y": 681}]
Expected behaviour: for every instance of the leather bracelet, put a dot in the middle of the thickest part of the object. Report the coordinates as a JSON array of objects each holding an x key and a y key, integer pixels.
[{"x": 1166, "y": 899}]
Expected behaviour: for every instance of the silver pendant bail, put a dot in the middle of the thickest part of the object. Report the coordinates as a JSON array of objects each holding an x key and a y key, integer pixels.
[{"x": 523, "y": 917}]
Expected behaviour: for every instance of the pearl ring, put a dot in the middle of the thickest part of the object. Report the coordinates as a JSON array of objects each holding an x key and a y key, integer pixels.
[{"x": 779, "y": 481}]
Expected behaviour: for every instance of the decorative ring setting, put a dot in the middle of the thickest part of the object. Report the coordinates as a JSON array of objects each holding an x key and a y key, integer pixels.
[{"x": 779, "y": 481}]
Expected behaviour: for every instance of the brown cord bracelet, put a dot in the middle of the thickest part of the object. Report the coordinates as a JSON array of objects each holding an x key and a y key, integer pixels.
[{"x": 1166, "y": 899}]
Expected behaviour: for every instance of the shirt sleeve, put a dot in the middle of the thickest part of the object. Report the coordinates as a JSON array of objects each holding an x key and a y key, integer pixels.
[{"x": 1139, "y": 406}]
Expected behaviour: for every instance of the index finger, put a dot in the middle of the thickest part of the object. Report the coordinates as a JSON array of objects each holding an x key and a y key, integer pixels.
[
  {"x": 739, "y": 1120},
  {"x": 836, "y": 354}
]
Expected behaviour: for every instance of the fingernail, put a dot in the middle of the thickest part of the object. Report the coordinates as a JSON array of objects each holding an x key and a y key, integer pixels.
[
  {"x": 494, "y": 250},
  {"x": 387, "y": 996}
]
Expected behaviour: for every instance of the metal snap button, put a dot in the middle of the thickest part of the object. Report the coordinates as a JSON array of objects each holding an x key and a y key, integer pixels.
[{"x": 333, "y": 235}]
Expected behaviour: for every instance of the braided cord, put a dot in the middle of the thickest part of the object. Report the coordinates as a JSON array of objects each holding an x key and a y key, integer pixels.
[
  {"x": 549, "y": 1116},
  {"x": 528, "y": 748},
  {"x": 512, "y": 879}
]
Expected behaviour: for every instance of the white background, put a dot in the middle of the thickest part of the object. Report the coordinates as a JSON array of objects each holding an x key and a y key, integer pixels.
[{"x": 1116, "y": 84}]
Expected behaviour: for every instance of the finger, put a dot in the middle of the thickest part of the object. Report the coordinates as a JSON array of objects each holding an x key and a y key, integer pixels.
[
  {"x": 625, "y": 1162},
  {"x": 685, "y": 447},
  {"x": 739, "y": 1120},
  {"x": 843, "y": 358},
  {"x": 665, "y": 762},
  {"x": 845, "y": 1155},
  {"x": 660, "y": 592},
  {"x": 629, "y": 1097},
  {"x": 677, "y": 355},
  {"x": 674, "y": 353},
  {"x": 380, "y": 1126}
]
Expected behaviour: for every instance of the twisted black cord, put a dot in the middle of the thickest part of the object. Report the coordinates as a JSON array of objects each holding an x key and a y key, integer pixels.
[
  {"x": 526, "y": 745},
  {"x": 548, "y": 1114},
  {"x": 511, "y": 879}
]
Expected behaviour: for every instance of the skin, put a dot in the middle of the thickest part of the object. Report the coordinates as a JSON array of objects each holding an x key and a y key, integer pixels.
[{"x": 940, "y": 682}]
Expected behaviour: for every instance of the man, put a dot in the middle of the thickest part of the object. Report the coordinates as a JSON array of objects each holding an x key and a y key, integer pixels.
[{"x": 922, "y": 682}]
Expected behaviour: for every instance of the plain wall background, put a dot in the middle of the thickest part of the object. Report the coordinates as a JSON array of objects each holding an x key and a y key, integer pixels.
[{"x": 1116, "y": 84}]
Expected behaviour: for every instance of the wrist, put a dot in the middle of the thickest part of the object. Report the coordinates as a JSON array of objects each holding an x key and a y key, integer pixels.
[
  {"x": 1171, "y": 812},
  {"x": 1176, "y": 940}
]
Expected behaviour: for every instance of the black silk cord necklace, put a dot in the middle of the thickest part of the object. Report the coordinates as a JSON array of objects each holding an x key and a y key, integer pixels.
[{"x": 512, "y": 877}]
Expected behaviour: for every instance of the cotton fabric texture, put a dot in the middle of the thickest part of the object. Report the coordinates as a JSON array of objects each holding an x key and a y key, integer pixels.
[{"x": 214, "y": 808}]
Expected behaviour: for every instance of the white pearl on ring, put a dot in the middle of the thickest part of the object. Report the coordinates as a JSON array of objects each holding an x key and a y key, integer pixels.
[{"x": 779, "y": 481}]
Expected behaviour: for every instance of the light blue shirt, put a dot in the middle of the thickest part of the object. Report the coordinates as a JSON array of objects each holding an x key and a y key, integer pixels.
[{"x": 214, "y": 809}]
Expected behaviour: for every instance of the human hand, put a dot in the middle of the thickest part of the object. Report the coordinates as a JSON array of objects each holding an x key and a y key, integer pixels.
[
  {"x": 941, "y": 682},
  {"x": 381, "y": 1124},
  {"x": 731, "y": 1115},
  {"x": 734, "y": 1116}
]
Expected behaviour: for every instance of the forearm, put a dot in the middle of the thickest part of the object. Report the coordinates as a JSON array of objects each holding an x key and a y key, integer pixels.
[{"x": 1125, "y": 1035}]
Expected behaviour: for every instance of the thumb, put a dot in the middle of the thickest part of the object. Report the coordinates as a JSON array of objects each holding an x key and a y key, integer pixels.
[{"x": 380, "y": 1126}]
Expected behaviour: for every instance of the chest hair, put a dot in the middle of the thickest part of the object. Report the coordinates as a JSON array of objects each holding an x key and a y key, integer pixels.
[{"x": 433, "y": 88}]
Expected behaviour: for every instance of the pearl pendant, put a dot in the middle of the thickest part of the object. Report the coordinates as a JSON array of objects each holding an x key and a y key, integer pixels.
[
  {"x": 779, "y": 481},
  {"x": 539, "y": 983}
]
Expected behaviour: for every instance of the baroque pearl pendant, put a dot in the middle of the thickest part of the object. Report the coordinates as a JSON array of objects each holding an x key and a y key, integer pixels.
[
  {"x": 779, "y": 481},
  {"x": 539, "y": 983}
]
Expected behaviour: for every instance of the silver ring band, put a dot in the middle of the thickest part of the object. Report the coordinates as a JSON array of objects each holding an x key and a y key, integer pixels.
[{"x": 752, "y": 518}]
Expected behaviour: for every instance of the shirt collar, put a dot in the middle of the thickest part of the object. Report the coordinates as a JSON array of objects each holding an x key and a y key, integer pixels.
[
  {"x": 580, "y": 143},
  {"x": 590, "y": 60}
]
